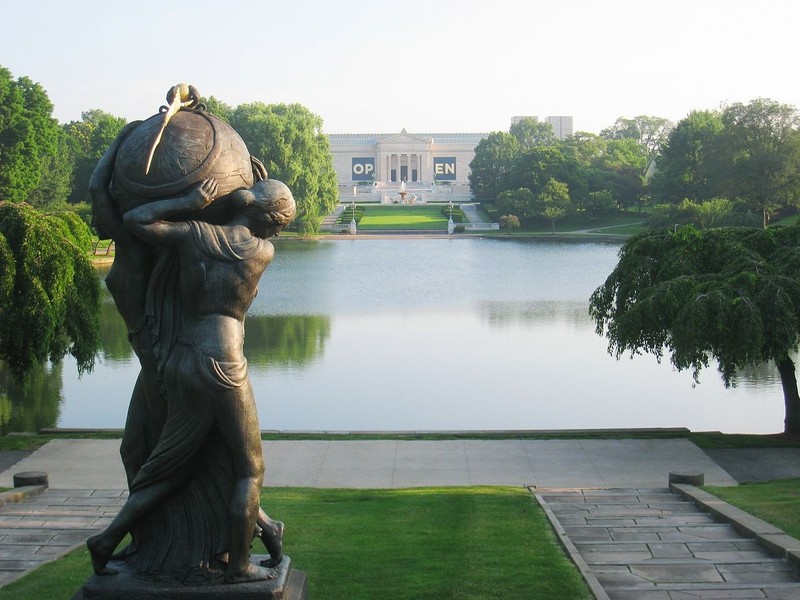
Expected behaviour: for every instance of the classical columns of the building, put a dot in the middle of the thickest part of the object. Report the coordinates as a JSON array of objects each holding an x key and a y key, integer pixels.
[{"x": 394, "y": 160}]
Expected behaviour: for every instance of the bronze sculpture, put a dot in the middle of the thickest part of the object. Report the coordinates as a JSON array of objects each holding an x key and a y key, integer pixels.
[{"x": 191, "y": 246}]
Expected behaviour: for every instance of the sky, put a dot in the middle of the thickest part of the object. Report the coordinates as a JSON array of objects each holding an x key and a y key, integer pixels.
[{"x": 429, "y": 66}]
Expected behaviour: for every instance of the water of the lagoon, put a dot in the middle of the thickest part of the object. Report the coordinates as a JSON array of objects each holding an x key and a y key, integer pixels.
[{"x": 440, "y": 334}]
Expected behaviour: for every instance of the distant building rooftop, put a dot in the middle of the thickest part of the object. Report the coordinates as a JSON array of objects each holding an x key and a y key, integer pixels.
[{"x": 369, "y": 139}]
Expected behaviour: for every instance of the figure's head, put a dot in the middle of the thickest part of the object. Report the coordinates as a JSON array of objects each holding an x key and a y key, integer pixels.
[{"x": 269, "y": 205}]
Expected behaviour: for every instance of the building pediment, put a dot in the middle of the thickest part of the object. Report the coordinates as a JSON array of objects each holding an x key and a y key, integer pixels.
[{"x": 402, "y": 138}]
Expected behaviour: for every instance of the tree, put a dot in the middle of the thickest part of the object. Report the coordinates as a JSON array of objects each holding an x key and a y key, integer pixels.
[
  {"x": 582, "y": 152},
  {"x": 649, "y": 132},
  {"x": 599, "y": 202},
  {"x": 730, "y": 294},
  {"x": 218, "y": 108},
  {"x": 530, "y": 133},
  {"x": 584, "y": 146},
  {"x": 554, "y": 198},
  {"x": 509, "y": 223},
  {"x": 56, "y": 183},
  {"x": 534, "y": 168},
  {"x": 520, "y": 202},
  {"x": 703, "y": 215},
  {"x": 49, "y": 291},
  {"x": 713, "y": 212},
  {"x": 689, "y": 164},
  {"x": 288, "y": 139},
  {"x": 28, "y": 135},
  {"x": 489, "y": 168},
  {"x": 622, "y": 172},
  {"x": 89, "y": 139},
  {"x": 762, "y": 150}
]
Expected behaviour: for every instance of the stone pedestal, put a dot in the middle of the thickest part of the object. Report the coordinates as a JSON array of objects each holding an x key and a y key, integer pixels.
[
  {"x": 695, "y": 478},
  {"x": 27, "y": 478},
  {"x": 288, "y": 584}
]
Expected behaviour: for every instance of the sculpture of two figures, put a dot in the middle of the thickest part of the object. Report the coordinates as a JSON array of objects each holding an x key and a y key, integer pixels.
[{"x": 190, "y": 212}]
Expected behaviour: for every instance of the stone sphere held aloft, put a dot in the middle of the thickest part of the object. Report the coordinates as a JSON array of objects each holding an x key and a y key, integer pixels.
[{"x": 194, "y": 146}]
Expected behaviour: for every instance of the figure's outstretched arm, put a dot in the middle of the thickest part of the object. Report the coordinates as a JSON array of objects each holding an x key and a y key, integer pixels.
[
  {"x": 106, "y": 219},
  {"x": 148, "y": 221}
]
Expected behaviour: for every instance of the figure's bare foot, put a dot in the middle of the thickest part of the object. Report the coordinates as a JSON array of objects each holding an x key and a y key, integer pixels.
[
  {"x": 101, "y": 553},
  {"x": 272, "y": 537},
  {"x": 250, "y": 573}
]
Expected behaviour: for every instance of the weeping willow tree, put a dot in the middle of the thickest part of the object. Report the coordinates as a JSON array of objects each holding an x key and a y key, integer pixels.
[
  {"x": 730, "y": 294},
  {"x": 49, "y": 292}
]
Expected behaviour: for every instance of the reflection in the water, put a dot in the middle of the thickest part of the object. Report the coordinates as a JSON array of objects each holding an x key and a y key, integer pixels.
[
  {"x": 440, "y": 334},
  {"x": 509, "y": 314},
  {"x": 114, "y": 344},
  {"x": 576, "y": 315},
  {"x": 456, "y": 370},
  {"x": 33, "y": 403},
  {"x": 271, "y": 340},
  {"x": 285, "y": 340},
  {"x": 757, "y": 377}
]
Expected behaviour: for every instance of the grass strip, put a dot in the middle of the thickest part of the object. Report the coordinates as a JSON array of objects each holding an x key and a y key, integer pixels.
[
  {"x": 465, "y": 543},
  {"x": 776, "y": 502},
  {"x": 461, "y": 543},
  {"x": 715, "y": 439},
  {"x": 57, "y": 580},
  {"x": 403, "y": 217},
  {"x": 702, "y": 439}
]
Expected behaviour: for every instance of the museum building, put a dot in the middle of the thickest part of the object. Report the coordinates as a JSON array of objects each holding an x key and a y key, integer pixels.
[{"x": 411, "y": 167}]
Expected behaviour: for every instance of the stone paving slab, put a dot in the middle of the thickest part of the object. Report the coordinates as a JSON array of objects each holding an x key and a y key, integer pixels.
[
  {"x": 50, "y": 524},
  {"x": 765, "y": 464},
  {"x": 94, "y": 464},
  {"x": 664, "y": 547}
]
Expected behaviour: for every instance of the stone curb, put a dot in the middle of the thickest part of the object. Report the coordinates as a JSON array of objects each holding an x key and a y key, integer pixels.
[
  {"x": 773, "y": 540},
  {"x": 591, "y": 580},
  {"x": 19, "y": 494}
]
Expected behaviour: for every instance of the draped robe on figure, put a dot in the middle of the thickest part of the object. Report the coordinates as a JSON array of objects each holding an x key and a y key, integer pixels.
[{"x": 186, "y": 535}]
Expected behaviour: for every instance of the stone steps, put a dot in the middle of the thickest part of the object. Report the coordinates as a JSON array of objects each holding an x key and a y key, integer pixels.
[
  {"x": 652, "y": 544},
  {"x": 330, "y": 218}
]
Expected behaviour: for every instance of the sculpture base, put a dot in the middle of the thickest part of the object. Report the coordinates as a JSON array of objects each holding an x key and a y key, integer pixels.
[{"x": 125, "y": 585}]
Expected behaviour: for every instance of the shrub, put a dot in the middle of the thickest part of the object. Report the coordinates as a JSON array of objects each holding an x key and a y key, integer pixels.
[
  {"x": 509, "y": 222},
  {"x": 491, "y": 210},
  {"x": 348, "y": 215},
  {"x": 458, "y": 214}
]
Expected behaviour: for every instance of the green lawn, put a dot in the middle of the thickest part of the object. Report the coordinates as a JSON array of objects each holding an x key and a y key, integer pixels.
[
  {"x": 101, "y": 247},
  {"x": 626, "y": 223},
  {"x": 787, "y": 221},
  {"x": 458, "y": 543},
  {"x": 629, "y": 229},
  {"x": 424, "y": 543},
  {"x": 776, "y": 502},
  {"x": 429, "y": 216},
  {"x": 715, "y": 439},
  {"x": 57, "y": 580},
  {"x": 401, "y": 216}
]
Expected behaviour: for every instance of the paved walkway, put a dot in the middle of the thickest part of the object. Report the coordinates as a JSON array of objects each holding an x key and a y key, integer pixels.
[
  {"x": 651, "y": 544},
  {"x": 47, "y": 525},
  {"x": 95, "y": 464},
  {"x": 87, "y": 480}
]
